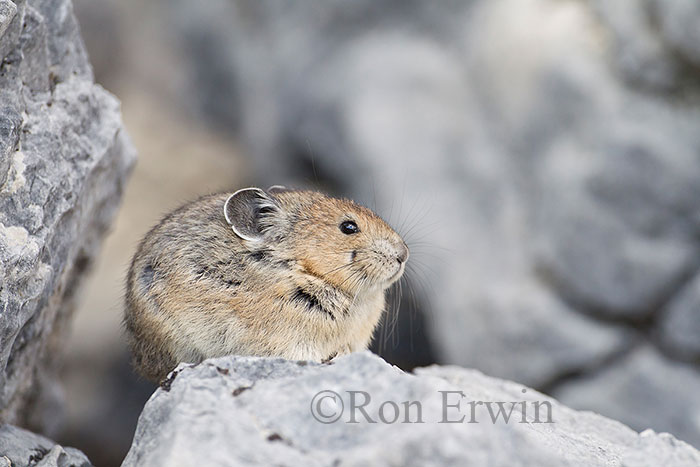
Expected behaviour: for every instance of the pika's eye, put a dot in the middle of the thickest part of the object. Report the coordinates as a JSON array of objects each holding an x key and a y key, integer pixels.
[{"x": 349, "y": 228}]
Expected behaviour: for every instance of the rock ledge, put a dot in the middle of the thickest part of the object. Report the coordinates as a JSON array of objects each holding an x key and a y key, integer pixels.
[{"x": 258, "y": 411}]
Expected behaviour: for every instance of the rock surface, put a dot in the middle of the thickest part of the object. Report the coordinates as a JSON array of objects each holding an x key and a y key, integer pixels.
[
  {"x": 20, "y": 448},
  {"x": 545, "y": 155},
  {"x": 64, "y": 158},
  {"x": 256, "y": 411},
  {"x": 633, "y": 388}
]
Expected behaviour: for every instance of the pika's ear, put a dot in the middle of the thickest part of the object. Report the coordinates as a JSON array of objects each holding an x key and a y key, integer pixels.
[{"x": 247, "y": 210}]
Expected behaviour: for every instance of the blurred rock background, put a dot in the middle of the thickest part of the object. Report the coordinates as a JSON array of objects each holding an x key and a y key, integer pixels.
[{"x": 541, "y": 157}]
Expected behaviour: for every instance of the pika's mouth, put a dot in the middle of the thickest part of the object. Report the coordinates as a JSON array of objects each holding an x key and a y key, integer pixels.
[{"x": 397, "y": 275}]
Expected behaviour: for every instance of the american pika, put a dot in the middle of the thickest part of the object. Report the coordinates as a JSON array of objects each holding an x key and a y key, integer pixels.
[{"x": 287, "y": 273}]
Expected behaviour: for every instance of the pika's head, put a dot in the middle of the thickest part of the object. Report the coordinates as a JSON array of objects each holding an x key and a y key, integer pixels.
[{"x": 336, "y": 240}]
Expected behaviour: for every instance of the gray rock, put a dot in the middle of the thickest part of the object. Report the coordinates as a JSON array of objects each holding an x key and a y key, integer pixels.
[
  {"x": 255, "y": 411},
  {"x": 680, "y": 323},
  {"x": 64, "y": 158},
  {"x": 655, "y": 42},
  {"x": 10, "y": 24},
  {"x": 679, "y": 24},
  {"x": 644, "y": 390},
  {"x": 640, "y": 52},
  {"x": 8, "y": 10},
  {"x": 539, "y": 337},
  {"x": 608, "y": 238},
  {"x": 20, "y": 448}
]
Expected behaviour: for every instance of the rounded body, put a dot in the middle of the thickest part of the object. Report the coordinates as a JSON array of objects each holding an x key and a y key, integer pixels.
[{"x": 281, "y": 273}]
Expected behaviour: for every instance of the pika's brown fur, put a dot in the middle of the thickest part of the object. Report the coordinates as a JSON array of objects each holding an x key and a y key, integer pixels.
[{"x": 279, "y": 273}]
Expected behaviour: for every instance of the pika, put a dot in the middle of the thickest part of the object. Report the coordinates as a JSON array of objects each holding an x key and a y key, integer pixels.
[{"x": 277, "y": 272}]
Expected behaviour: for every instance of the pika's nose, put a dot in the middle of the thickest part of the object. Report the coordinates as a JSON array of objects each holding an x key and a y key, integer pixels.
[{"x": 402, "y": 255}]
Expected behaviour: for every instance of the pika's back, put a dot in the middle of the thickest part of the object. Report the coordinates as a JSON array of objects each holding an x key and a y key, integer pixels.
[
  {"x": 284, "y": 273},
  {"x": 187, "y": 242}
]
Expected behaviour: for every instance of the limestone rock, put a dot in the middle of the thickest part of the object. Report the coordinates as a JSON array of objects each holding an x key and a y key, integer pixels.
[
  {"x": 64, "y": 158},
  {"x": 20, "y": 448},
  {"x": 255, "y": 411}
]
